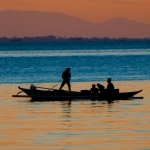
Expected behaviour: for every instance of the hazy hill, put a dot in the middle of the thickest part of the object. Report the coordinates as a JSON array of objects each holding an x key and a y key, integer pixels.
[
  {"x": 122, "y": 27},
  {"x": 23, "y": 23}
]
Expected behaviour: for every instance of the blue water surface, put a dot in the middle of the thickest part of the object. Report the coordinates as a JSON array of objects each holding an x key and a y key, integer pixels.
[{"x": 42, "y": 62}]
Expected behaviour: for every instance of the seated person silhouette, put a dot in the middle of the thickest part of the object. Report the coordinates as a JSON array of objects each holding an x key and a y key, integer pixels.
[
  {"x": 100, "y": 87},
  {"x": 110, "y": 85},
  {"x": 94, "y": 90}
]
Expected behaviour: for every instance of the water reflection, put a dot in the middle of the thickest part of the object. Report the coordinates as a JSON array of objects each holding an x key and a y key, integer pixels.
[
  {"x": 66, "y": 110},
  {"x": 76, "y": 125}
]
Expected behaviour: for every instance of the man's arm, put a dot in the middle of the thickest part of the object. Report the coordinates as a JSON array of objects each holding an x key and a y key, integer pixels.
[{"x": 62, "y": 75}]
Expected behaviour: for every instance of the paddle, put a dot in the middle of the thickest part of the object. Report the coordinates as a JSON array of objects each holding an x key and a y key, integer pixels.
[{"x": 46, "y": 88}]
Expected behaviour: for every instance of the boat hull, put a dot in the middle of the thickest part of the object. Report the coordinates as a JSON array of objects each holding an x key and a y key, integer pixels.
[{"x": 59, "y": 95}]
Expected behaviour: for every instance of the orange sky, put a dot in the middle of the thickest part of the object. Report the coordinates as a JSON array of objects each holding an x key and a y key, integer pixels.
[{"x": 91, "y": 10}]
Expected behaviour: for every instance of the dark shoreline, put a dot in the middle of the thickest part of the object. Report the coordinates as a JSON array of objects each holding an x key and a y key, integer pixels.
[{"x": 52, "y": 38}]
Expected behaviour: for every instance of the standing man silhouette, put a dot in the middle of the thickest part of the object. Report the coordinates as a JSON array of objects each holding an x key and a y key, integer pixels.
[{"x": 66, "y": 76}]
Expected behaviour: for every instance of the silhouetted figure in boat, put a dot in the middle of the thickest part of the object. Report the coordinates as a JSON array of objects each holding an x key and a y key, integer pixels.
[
  {"x": 100, "y": 87},
  {"x": 66, "y": 76},
  {"x": 110, "y": 85},
  {"x": 94, "y": 90},
  {"x": 110, "y": 90}
]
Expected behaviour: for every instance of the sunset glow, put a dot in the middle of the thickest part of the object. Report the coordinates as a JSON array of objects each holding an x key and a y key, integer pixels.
[{"x": 96, "y": 11}]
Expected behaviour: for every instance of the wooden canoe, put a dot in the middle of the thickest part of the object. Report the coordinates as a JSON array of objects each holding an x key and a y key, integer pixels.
[{"x": 59, "y": 95}]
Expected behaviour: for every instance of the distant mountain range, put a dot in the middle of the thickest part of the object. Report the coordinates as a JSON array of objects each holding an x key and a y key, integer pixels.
[{"x": 31, "y": 24}]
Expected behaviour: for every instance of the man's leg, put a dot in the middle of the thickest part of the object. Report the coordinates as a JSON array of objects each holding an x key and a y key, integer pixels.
[
  {"x": 62, "y": 84},
  {"x": 69, "y": 86}
]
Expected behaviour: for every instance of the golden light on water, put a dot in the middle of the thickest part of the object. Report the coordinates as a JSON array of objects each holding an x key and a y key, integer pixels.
[{"x": 81, "y": 125}]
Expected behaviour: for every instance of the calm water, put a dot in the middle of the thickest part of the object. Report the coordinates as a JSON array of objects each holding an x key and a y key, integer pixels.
[
  {"x": 89, "y": 61},
  {"x": 83, "y": 124}
]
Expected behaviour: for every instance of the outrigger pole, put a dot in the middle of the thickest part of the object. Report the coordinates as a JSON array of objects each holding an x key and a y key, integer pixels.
[{"x": 46, "y": 88}]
